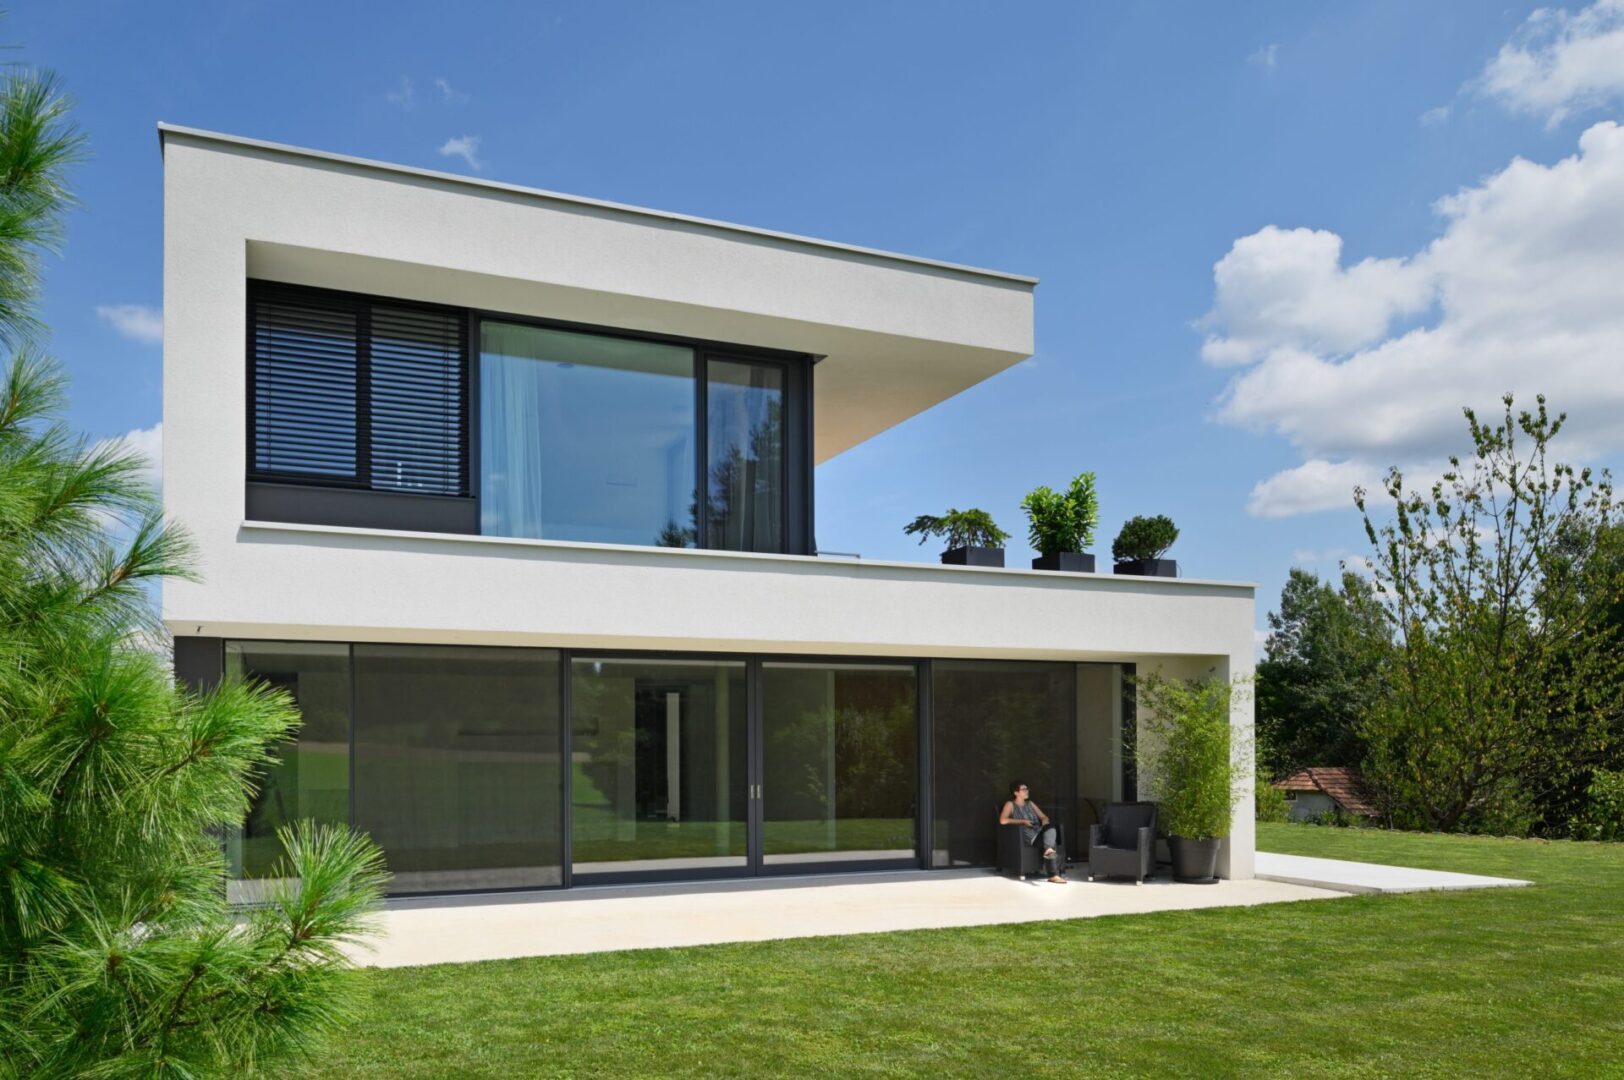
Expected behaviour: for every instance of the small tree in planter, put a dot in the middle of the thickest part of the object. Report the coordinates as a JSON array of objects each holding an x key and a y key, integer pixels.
[
  {"x": 1187, "y": 751},
  {"x": 1139, "y": 547},
  {"x": 1062, "y": 525},
  {"x": 973, "y": 538}
]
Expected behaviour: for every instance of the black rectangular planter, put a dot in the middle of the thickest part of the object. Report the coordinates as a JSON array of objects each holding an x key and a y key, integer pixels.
[
  {"x": 1070, "y": 562},
  {"x": 1148, "y": 568},
  {"x": 973, "y": 556}
]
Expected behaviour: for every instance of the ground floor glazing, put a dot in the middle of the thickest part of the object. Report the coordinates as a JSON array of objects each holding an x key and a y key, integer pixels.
[{"x": 679, "y": 765}]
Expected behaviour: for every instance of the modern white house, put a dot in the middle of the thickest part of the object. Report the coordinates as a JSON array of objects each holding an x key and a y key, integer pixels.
[{"x": 513, "y": 491}]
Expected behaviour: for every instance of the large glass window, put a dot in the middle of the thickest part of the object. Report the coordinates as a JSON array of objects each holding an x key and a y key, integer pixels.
[
  {"x": 457, "y": 755},
  {"x": 996, "y": 722},
  {"x": 839, "y": 756},
  {"x": 659, "y": 770},
  {"x": 744, "y": 419},
  {"x": 1100, "y": 718},
  {"x": 311, "y": 777},
  {"x": 586, "y": 437}
]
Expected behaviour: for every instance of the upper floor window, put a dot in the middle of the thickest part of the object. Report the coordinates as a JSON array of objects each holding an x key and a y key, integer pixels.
[
  {"x": 584, "y": 437},
  {"x": 361, "y": 407},
  {"x": 359, "y": 394}
]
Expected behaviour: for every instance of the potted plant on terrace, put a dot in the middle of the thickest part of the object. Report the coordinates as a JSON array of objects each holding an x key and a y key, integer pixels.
[
  {"x": 973, "y": 538},
  {"x": 1062, "y": 525},
  {"x": 1185, "y": 749},
  {"x": 1139, "y": 547}
]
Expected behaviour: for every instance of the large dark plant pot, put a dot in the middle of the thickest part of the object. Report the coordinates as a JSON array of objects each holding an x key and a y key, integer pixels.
[
  {"x": 1149, "y": 567},
  {"x": 1070, "y": 562},
  {"x": 1195, "y": 862},
  {"x": 973, "y": 556}
]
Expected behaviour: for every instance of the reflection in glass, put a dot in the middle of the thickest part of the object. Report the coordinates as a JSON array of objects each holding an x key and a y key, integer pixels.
[
  {"x": 457, "y": 764},
  {"x": 311, "y": 778},
  {"x": 994, "y": 722},
  {"x": 585, "y": 437},
  {"x": 839, "y": 755},
  {"x": 659, "y": 768},
  {"x": 744, "y": 420},
  {"x": 1099, "y": 741}
]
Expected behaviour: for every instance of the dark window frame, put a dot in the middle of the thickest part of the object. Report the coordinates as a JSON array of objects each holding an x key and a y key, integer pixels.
[
  {"x": 702, "y": 362},
  {"x": 325, "y": 500},
  {"x": 361, "y": 306}
]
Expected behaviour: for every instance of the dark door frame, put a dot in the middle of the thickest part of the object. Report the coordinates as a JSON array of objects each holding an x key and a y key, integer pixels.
[{"x": 755, "y": 865}]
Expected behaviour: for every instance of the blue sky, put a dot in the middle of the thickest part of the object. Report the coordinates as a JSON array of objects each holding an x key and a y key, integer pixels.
[{"x": 1199, "y": 186}]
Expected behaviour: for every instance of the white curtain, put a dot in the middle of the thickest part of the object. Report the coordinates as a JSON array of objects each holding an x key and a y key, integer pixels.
[{"x": 510, "y": 389}]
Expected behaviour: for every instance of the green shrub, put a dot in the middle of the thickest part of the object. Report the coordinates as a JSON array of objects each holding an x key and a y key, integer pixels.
[
  {"x": 1063, "y": 520},
  {"x": 1144, "y": 538},
  {"x": 1270, "y": 802},
  {"x": 1603, "y": 816},
  {"x": 1187, "y": 753},
  {"x": 959, "y": 528}
]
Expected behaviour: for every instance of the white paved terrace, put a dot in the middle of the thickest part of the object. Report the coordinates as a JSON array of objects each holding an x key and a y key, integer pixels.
[
  {"x": 439, "y": 930},
  {"x": 1369, "y": 878},
  {"x": 501, "y": 926}
]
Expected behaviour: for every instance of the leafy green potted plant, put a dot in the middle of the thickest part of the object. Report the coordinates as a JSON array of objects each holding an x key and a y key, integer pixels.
[
  {"x": 1062, "y": 525},
  {"x": 1185, "y": 750},
  {"x": 973, "y": 538},
  {"x": 1139, "y": 547}
]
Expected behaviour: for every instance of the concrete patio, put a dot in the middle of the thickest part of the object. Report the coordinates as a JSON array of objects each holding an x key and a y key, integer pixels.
[
  {"x": 440, "y": 930},
  {"x": 1367, "y": 879},
  {"x": 458, "y": 929}
]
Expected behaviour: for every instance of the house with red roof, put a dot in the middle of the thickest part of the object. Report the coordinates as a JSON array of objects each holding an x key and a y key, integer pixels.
[{"x": 1314, "y": 791}]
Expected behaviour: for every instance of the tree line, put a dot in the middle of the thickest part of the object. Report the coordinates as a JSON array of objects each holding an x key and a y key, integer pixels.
[{"x": 1472, "y": 666}]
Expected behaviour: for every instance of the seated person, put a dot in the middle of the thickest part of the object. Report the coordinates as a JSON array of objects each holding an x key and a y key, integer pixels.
[{"x": 1036, "y": 829}]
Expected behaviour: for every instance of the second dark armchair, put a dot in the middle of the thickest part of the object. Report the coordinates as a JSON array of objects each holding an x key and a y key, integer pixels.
[{"x": 1124, "y": 842}]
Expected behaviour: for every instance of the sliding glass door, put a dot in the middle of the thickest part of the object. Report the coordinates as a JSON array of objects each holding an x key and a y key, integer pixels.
[
  {"x": 456, "y": 765},
  {"x": 839, "y": 765},
  {"x": 659, "y": 780},
  {"x": 686, "y": 767}
]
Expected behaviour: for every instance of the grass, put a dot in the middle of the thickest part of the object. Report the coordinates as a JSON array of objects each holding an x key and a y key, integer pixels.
[{"x": 1514, "y": 982}]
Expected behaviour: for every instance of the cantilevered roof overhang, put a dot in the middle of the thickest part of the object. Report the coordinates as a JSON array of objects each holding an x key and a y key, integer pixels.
[{"x": 894, "y": 334}]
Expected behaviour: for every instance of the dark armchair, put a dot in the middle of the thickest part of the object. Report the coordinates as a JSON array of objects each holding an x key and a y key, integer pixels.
[
  {"x": 1017, "y": 857},
  {"x": 1124, "y": 842}
]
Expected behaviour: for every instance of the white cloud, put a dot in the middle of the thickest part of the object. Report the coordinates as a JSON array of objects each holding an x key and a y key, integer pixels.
[
  {"x": 134, "y": 321},
  {"x": 465, "y": 147},
  {"x": 1313, "y": 485},
  {"x": 1266, "y": 56},
  {"x": 1287, "y": 288},
  {"x": 404, "y": 95},
  {"x": 149, "y": 443},
  {"x": 1436, "y": 117},
  {"x": 1559, "y": 63},
  {"x": 1521, "y": 292},
  {"x": 447, "y": 94}
]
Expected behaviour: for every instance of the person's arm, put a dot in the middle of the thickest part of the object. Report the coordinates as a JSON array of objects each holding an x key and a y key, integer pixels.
[
  {"x": 1004, "y": 815},
  {"x": 1042, "y": 817}
]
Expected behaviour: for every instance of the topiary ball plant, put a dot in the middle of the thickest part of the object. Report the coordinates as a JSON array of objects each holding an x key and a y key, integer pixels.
[
  {"x": 1144, "y": 538},
  {"x": 1063, "y": 521}
]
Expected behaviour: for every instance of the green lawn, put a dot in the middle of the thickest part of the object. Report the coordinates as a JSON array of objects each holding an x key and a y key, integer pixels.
[{"x": 1515, "y": 982}]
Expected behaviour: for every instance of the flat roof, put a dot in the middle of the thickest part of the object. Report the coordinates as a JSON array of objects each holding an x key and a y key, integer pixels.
[{"x": 165, "y": 130}]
